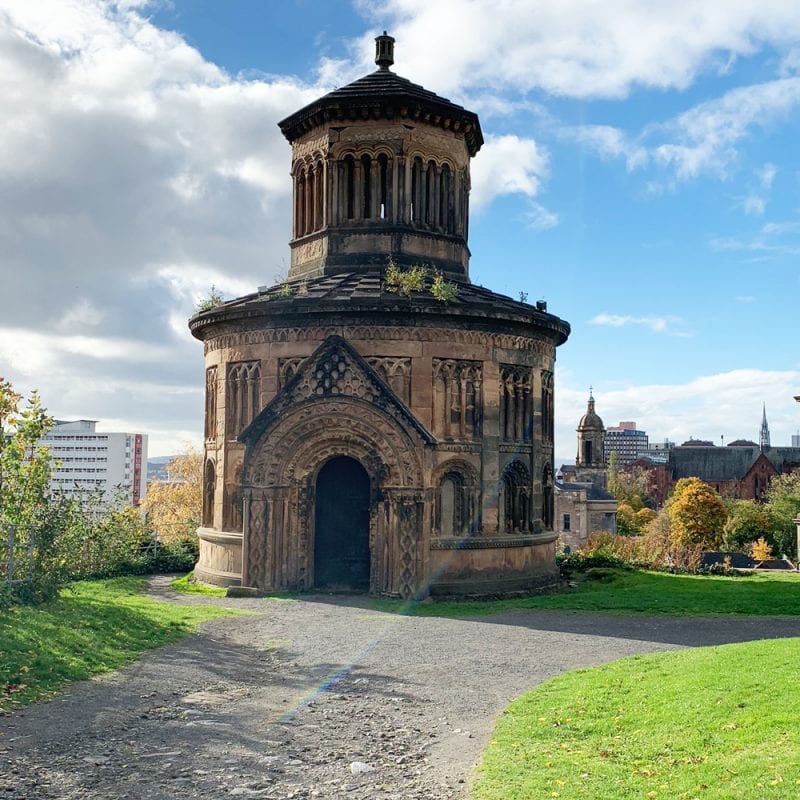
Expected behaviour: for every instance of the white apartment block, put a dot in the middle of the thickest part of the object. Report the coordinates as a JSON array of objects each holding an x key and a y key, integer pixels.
[{"x": 89, "y": 461}]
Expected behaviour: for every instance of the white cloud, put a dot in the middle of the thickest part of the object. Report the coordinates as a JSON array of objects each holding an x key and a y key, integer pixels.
[
  {"x": 704, "y": 138},
  {"x": 773, "y": 238},
  {"x": 507, "y": 165},
  {"x": 754, "y": 205},
  {"x": 766, "y": 175},
  {"x": 133, "y": 175},
  {"x": 655, "y": 324},
  {"x": 609, "y": 142},
  {"x": 577, "y": 48}
]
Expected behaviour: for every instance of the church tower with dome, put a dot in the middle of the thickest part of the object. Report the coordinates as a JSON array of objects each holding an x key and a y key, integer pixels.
[
  {"x": 377, "y": 422},
  {"x": 590, "y": 463}
]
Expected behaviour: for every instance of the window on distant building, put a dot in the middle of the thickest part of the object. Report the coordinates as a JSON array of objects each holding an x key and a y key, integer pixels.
[{"x": 566, "y": 522}]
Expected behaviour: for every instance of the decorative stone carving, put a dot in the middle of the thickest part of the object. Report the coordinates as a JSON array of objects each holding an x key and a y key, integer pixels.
[
  {"x": 419, "y": 333},
  {"x": 457, "y": 402}
]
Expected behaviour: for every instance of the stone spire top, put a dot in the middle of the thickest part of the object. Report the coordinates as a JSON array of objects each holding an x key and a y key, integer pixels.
[{"x": 763, "y": 439}]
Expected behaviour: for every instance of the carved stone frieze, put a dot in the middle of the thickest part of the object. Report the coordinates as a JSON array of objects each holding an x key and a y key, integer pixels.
[{"x": 418, "y": 333}]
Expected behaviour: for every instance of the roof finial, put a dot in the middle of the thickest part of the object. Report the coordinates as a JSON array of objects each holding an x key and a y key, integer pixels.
[{"x": 384, "y": 51}]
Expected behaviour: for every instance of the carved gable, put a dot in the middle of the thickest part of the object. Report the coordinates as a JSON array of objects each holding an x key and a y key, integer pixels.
[{"x": 335, "y": 369}]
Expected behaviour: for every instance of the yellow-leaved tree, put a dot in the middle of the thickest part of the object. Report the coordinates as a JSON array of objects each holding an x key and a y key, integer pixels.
[
  {"x": 696, "y": 513},
  {"x": 174, "y": 507}
]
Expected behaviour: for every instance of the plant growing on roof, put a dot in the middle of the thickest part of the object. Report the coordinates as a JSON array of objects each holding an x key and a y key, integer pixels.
[
  {"x": 404, "y": 281},
  {"x": 213, "y": 299},
  {"x": 442, "y": 289}
]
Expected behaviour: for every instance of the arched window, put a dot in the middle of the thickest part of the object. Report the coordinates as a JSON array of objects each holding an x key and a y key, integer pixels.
[
  {"x": 209, "y": 485},
  {"x": 243, "y": 396},
  {"x": 547, "y": 407},
  {"x": 516, "y": 408},
  {"x": 211, "y": 403},
  {"x": 417, "y": 191},
  {"x": 308, "y": 211},
  {"x": 515, "y": 498},
  {"x": 445, "y": 200},
  {"x": 547, "y": 497},
  {"x": 456, "y": 502},
  {"x": 457, "y": 402},
  {"x": 350, "y": 186},
  {"x": 383, "y": 187},
  {"x": 430, "y": 194},
  {"x": 319, "y": 174},
  {"x": 300, "y": 208},
  {"x": 366, "y": 187}
]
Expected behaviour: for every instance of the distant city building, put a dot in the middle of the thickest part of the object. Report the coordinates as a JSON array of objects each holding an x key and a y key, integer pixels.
[
  {"x": 89, "y": 461},
  {"x": 627, "y": 442},
  {"x": 796, "y": 440}
]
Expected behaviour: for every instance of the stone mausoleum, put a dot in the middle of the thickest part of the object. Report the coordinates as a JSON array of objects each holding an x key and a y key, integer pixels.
[{"x": 368, "y": 427}]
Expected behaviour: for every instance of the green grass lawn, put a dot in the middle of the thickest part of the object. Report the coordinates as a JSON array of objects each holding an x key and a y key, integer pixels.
[
  {"x": 718, "y": 722},
  {"x": 631, "y": 591},
  {"x": 186, "y": 585},
  {"x": 93, "y": 626}
]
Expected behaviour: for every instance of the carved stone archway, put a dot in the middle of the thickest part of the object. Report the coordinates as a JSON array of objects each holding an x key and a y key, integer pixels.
[{"x": 279, "y": 477}]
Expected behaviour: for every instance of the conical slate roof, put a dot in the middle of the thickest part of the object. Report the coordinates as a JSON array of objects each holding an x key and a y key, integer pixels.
[{"x": 384, "y": 95}]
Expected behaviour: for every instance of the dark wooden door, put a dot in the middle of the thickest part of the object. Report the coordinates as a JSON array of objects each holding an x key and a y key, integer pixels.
[{"x": 341, "y": 536}]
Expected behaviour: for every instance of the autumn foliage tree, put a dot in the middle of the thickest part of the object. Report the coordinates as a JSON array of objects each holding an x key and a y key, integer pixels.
[
  {"x": 174, "y": 506},
  {"x": 697, "y": 514},
  {"x": 747, "y": 521}
]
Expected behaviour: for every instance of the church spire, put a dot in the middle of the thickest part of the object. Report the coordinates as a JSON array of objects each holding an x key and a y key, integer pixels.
[{"x": 764, "y": 436}]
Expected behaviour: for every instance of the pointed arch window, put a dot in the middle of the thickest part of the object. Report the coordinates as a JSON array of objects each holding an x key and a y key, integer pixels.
[
  {"x": 457, "y": 402},
  {"x": 457, "y": 502},
  {"x": 350, "y": 186},
  {"x": 516, "y": 406},
  {"x": 515, "y": 498},
  {"x": 547, "y": 407},
  {"x": 209, "y": 487},
  {"x": 243, "y": 398},
  {"x": 547, "y": 497},
  {"x": 211, "y": 404}
]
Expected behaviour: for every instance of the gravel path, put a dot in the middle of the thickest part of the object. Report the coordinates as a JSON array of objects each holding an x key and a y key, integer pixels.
[{"x": 320, "y": 697}]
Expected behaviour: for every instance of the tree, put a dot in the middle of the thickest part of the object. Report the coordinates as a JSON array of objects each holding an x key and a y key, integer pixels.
[
  {"x": 25, "y": 466},
  {"x": 697, "y": 514},
  {"x": 747, "y": 521},
  {"x": 631, "y": 486},
  {"x": 783, "y": 506},
  {"x": 761, "y": 550},
  {"x": 174, "y": 507}
]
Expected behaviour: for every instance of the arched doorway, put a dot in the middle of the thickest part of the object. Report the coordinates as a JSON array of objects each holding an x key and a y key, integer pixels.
[{"x": 341, "y": 522}]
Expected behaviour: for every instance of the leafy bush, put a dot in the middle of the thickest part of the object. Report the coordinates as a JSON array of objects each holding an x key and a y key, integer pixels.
[
  {"x": 442, "y": 289},
  {"x": 212, "y": 300},
  {"x": 404, "y": 281}
]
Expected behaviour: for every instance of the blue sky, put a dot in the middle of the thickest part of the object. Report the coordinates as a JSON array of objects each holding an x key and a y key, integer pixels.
[{"x": 641, "y": 173}]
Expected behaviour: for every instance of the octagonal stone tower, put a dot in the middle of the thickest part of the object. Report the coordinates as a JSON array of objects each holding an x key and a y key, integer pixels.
[{"x": 369, "y": 427}]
